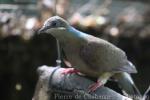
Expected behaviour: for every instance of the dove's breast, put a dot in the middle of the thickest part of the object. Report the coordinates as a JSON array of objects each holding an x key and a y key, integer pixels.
[{"x": 77, "y": 62}]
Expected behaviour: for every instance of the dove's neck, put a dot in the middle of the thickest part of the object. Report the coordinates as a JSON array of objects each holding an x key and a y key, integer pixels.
[
  {"x": 72, "y": 37},
  {"x": 76, "y": 33}
]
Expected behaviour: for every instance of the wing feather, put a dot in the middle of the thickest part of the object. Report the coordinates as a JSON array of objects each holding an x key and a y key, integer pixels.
[{"x": 102, "y": 56}]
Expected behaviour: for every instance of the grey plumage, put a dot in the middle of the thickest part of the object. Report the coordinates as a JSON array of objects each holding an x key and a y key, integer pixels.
[
  {"x": 91, "y": 55},
  {"x": 105, "y": 57}
]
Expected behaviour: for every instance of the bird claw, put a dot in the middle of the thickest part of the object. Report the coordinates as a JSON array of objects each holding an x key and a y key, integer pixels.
[
  {"x": 70, "y": 71},
  {"x": 93, "y": 87}
]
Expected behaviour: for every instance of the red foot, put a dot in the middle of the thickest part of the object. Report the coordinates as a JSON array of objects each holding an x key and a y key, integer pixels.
[
  {"x": 70, "y": 71},
  {"x": 94, "y": 86}
]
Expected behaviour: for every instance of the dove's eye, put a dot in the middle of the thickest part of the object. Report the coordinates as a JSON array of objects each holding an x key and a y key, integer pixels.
[{"x": 54, "y": 24}]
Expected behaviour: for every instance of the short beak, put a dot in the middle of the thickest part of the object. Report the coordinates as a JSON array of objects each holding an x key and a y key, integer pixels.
[{"x": 42, "y": 30}]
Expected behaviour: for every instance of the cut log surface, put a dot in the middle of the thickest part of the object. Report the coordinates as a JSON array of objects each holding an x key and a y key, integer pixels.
[{"x": 53, "y": 85}]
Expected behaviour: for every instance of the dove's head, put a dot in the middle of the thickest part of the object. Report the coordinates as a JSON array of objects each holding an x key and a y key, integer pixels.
[{"x": 54, "y": 26}]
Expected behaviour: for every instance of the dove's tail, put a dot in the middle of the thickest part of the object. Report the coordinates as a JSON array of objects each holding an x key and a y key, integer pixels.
[{"x": 127, "y": 85}]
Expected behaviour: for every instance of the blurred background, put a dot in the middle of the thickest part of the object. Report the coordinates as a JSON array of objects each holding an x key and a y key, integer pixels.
[{"x": 125, "y": 23}]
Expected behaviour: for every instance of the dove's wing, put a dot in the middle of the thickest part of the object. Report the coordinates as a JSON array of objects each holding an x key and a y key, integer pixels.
[{"x": 103, "y": 56}]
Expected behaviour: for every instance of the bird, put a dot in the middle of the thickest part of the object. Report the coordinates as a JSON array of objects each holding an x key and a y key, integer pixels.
[{"x": 92, "y": 56}]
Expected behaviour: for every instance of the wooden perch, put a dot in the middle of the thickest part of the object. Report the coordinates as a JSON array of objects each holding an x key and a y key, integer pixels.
[{"x": 53, "y": 85}]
